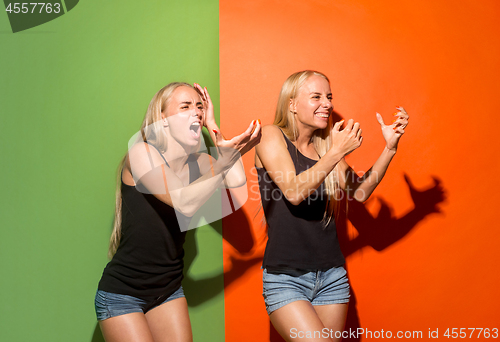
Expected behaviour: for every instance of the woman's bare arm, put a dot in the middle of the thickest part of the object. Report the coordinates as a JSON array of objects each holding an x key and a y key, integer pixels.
[
  {"x": 273, "y": 155},
  {"x": 153, "y": 176},
  {"x": 361, "y": 188}
]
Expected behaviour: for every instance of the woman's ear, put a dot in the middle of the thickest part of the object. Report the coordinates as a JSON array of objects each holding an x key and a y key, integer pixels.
[
  {"x": 164, "y": 120},
  {"x": 293, "y": 106}
]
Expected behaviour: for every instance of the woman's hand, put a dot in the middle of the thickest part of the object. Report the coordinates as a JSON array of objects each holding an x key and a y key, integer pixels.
[
  {"x": 347, "y": 140},
  {"x": 392, "y": 133},
  {"x": 233, "y": 148},
  {"x": 208, "y": 107},
  {"x": 240, "y": 144}
]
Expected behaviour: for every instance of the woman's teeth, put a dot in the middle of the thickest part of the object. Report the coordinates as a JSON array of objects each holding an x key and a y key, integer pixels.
[{"x": 321, "y": 115}]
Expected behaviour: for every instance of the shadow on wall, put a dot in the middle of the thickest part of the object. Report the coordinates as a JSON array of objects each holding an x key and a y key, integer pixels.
[
  {"x": 97, "y": 335},
  {"x": 384, "y": 229},
  {"x": 248, "y": 250}
]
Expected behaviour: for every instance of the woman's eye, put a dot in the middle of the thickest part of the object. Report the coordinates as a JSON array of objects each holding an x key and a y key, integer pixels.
[{"x": 184, "y": 107}]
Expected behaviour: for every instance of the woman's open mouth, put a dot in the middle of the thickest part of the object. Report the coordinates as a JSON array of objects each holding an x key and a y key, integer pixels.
[
  {"x": 195, "y": 129},
  {"x": 323, "y": 116}
]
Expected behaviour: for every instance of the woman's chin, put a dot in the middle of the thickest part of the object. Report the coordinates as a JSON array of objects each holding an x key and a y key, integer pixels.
[
  {"x": 321, "y": 125},
  {"x": 191, "y": 145}
]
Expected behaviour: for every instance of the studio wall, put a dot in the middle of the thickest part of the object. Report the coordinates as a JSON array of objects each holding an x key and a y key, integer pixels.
[
  {"x": 73, "y": 91},
  {"x": 421, "y": 252}
]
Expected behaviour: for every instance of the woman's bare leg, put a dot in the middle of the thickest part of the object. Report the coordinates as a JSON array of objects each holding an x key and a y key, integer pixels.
[
  {"x": 333, "y": 317},
  {"x": 170, "y": 322},
  {"x": 298, "y": 321},
  {"x": 132, "y": 327}
]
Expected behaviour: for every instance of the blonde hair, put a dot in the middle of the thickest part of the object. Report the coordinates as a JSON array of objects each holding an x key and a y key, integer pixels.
[
  {"x": 285, "y": 119},
  {"x": 153, "y": 132}
]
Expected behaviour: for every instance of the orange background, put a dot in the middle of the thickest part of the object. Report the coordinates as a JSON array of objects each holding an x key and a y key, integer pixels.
[{"x": 422, "y": 252}]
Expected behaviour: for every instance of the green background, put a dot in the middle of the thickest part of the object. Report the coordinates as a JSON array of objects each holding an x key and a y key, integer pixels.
[{"x": 73, "y": 91}]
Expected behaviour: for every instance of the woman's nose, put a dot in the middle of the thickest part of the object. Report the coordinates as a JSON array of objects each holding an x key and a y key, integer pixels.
[{"x": 327, "y": 104}]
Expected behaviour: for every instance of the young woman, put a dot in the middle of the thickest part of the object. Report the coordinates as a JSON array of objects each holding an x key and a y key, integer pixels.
[
  {"x": 163, "y": 181},
  {"x": 301, "y": 167}
]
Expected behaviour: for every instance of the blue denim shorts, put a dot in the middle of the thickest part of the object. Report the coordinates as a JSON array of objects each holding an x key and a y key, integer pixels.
[
  {"x": 109, "y": 304},
  {"x": 282, "y": 286}
]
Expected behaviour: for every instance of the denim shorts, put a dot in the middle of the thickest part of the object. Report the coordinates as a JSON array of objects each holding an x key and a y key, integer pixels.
[
  {"x": 282, "y": 286},
  {"x": 109, "y": 304}
]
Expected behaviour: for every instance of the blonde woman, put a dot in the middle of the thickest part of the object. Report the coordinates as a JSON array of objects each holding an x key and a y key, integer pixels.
[
  {"x": 163, "y": 181},
  {"x": 301, "y": 167}
]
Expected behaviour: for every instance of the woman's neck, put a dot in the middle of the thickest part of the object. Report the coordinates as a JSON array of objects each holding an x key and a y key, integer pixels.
[
  {"x": 304, "y": 138},
  {"x": 304, "y": 143},
  {"x": 176, "y": 155}
]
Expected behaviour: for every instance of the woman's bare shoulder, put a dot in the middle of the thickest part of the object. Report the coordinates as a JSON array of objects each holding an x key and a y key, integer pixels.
[{"x": 272, "y": 134}]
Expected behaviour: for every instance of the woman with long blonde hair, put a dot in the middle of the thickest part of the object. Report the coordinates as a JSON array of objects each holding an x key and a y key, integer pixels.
[
  {"x": 163, "y": 181},
  {"x": 302, "y": 177}
]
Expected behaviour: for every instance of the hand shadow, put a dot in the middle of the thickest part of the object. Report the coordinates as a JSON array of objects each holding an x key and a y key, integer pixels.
[
  {"x": 248, "y": 250},
  {"x": 383, "y": 230}
]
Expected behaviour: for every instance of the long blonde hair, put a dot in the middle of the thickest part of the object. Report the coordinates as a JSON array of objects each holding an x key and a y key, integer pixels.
[
  {"x": 285, "y": 119},
  {"x": 151, "y": 131}
]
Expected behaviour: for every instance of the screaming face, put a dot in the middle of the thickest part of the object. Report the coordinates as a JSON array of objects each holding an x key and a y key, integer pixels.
[{"x": 184, "y": 115}]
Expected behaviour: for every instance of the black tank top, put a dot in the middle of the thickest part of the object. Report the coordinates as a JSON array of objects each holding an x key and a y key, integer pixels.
[
  {"x": 297, "y": 236},
  {"x": 148, "y": 263}
]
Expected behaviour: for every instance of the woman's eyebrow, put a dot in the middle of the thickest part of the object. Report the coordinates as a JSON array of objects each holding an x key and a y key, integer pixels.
[
  {"x": 316, "y": 93},
  {"x": 186, "y": 102}
]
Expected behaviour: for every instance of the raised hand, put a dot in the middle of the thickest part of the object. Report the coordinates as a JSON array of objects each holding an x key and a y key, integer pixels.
[
  {"x": 392, "y": 133},
  {"x": 208, "y": 107},
  {"x": 241, "y": 143},
  {"x": 348, "y": 139},
  {"x": 230, "y": 150}
]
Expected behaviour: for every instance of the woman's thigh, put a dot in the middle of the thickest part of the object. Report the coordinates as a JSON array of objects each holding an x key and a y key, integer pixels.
[
  {"x": 333, "y": 317},
  {"x": 170, "y": 322},
  {"x": 124, "y": 328},
  {"x": 307, "y": 305},
  {"x": 122, "y": 318},
  {"x": 298, "y": 321}
]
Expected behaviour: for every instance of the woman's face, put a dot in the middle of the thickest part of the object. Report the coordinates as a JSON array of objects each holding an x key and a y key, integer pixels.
[
  {"x": 184, "y": 115},
  {"x": 313, "y": 105}
]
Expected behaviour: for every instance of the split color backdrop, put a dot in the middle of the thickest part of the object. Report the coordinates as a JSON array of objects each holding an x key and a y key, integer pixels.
[{"x": 421, "y": 253}]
